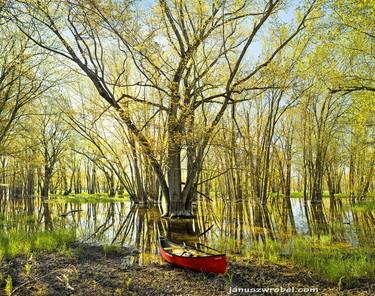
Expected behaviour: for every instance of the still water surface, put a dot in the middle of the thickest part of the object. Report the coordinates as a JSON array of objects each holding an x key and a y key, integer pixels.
[{"x": 230, "y": 226}]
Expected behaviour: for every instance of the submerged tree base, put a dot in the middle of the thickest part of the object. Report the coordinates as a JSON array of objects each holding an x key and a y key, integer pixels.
[
  {"x": 181, "y": 215},
  {"x": 184, "y": 214}
]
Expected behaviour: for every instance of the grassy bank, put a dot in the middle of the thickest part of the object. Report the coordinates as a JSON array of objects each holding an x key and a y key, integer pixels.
[
  {"x": 364, "y": 206},
  {"x": 86, "y": 198},
  {"x": 16, "y": 242},
  {"x": 336, "y": 262},
  {"x": 299, "y": 194}
]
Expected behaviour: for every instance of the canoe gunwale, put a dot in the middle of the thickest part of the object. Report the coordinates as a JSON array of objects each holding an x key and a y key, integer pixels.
[{"x": 161, "y": 239}]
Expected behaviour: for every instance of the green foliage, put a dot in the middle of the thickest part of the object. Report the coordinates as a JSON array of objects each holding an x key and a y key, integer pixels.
[
  {"x": 228, "y": 279},
  {"x": 28, "y": 267},
  {"x": 16, "y": 242},
  {"x": 66, "y": 251},
  {"x": 8, "y": 285},
  {"x": 119, "y": 292},
  {"x": 128, "y": 282}
]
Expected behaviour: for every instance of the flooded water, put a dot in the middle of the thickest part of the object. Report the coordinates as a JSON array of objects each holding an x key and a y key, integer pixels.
[{"x": 229, "y": 226}]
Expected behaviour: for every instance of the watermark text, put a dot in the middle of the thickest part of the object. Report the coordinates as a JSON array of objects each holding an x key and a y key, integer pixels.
[{"x": 234, "y": 290}]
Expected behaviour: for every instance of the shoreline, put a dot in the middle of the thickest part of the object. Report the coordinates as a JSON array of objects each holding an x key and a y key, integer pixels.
[{"x": 86, "y": 270}]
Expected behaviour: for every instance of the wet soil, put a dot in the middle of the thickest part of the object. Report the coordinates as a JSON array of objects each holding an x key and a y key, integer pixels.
[{"x": 88, "y": 270}]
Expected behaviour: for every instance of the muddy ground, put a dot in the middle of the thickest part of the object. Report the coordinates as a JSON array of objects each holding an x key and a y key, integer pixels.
[{"x": 87, "y": 270}]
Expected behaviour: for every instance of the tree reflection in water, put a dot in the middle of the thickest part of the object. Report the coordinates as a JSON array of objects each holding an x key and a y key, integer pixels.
[{"x": 229, "y": 225}]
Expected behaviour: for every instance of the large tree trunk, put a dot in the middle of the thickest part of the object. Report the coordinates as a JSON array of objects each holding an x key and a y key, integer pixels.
[
  {"x": 176, "y": 198},
  {"x": 176, "y": 203},
  {"x": 191, "y": 156}
]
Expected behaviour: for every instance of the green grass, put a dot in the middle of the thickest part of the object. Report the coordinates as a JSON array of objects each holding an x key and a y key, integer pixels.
[
  {"x": 364, "y": 206},
  {"x": 24, "y": 219},
  {"x": 108, "y": 248},
  {"x": 333, "y": 262},
  {"x": 86, "y": 198},
  {"x": 336, "y": 262},
  {"x": 296, "y": 194},
  {"x": 8, "y": 286},
  {"x": 16, "y": 242},
  {"x": 299, "y": 194}
]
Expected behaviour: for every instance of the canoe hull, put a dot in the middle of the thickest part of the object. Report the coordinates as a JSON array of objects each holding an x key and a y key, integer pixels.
[{"x": 214, "y": 264}]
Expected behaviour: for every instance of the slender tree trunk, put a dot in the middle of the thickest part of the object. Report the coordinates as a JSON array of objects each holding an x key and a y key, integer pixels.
[
  {"x": 141, "y": 194},
  {"x": 47, "y": 182},
  {"x": 30, "y": 181},
  {"x": 288, "y": 171}
]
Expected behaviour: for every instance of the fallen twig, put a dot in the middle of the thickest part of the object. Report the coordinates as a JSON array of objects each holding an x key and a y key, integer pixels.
[{"x": 38, "y": 278}]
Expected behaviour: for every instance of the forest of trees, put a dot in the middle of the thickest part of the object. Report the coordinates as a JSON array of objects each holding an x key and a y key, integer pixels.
[{"x": 179, "y": 100}]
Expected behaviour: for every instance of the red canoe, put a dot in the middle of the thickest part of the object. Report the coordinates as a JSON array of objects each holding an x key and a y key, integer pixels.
[{"x": 191, "y": 257}]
